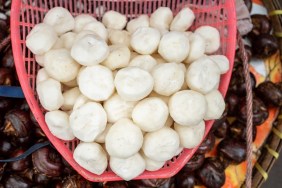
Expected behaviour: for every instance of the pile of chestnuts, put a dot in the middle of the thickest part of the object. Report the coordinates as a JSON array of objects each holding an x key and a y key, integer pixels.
[{"x": 46, "y": 168}]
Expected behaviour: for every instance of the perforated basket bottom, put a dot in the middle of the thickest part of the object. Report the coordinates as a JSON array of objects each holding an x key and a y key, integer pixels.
[{"x": 26, "y": 13}]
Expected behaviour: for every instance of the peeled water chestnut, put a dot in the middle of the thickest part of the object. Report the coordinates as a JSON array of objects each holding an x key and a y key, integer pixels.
[{"x": 211, "y": 174}]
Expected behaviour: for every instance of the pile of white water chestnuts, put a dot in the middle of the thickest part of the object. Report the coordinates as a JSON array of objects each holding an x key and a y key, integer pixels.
[{"x": 135, "y": 93}]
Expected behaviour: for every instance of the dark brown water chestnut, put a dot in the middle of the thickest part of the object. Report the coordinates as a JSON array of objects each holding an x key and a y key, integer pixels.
[
  {"x": 20, "y": 165},
  {"x": 249, "y": 52},
  {"x": 17, "y": 123},
  {"x": 261, "y": 24},
  {"x": 6, "y": 104},
  {"x": 6, "y": 146},
  {"x": 8, "y": 59},
  {"x": 76, "y": 181},
  {"x": 260, "y": 111},
  {"x": 232, "y": 101},
  {"x": 184, "y": 180},
  {"x": 194, "y": 163},
  {"x": 207, "y": 144},
  {"x": 68, "y": 170},
  {"x": 238, "y": 130},
  {"x": 232, "y": 150},
  {"x": 23, "y": 141},
  {"x": 3, "y": 29},
  {"x": 152, "y": 183},
  {"x": 41, "y": 179},
  {"x": 27, "y": 173},
  {"x": 24, "y": 106},
  {"x": 55, "y": 183},
  {"x": 2, "y": 169},
  {"x": 264, "y": 45},
  {"x": 270, "y": 93},
  {"x": 211, "y": 174},
  {"x": 47, "y": 161},
  {"x": 115, "y": 184},
  {"x": 222, "y": 129},
  {"x": 6, "y": 76},
  {"x": 14, "y": 181},
  {"x": 237, "y": 83}
]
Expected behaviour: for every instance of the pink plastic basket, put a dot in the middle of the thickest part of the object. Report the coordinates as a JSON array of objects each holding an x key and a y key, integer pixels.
[{"x": 26, "y": 13}]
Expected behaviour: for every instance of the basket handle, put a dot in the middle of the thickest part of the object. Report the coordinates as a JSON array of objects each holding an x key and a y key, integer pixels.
[{"x": 249, "y": 102}]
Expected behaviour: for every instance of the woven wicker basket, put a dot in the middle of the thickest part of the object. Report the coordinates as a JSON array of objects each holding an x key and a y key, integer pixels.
[{"x": 273, "y": 144}]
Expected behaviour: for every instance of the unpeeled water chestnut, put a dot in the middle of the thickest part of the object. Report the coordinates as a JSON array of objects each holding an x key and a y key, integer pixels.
[
  {"x": 6, "y": 76},
  {"x": 14, "y": 181},
  {"x": 19, "y": 165},
  {"x": 222, "y": 129},
  {"x": 238, "y": 56},
  {"x": 8, "y": 59},
  {"x": 260, "y": 111},
  {"x": 27, "y": 173},
  {"x": 232, "y": 101},
  {"x": 237, "y": 83},
  {"x": 194, "y": 163},
  {"x": 6, "y": 146},
  {"x": 17, "y": 123},
  {"x": 76, "y": 181},
  {"x": 270, "y": 93},
  {"x": 41, "y": 179},
  {"x": 115, "y": 184},
  {"x": 207, "y": 144},
  {"x": 6, "y": 104},
  {"x": 184, "y": 180},
  {"x": 261, "y": 25},
  {"x": 264, "y": 45},
  {"x": 152, "y": 183},
  {"x": 233, "y": 151},
  {"x": 211, "y": 174},
  {"x": 48, "y": 162},
  {"x": 3, "y": 29},
  {"x": 238, "y": 130}
]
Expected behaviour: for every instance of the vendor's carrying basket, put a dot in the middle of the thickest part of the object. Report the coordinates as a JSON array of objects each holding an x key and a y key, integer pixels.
[{"x": 26, "y": 13}]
